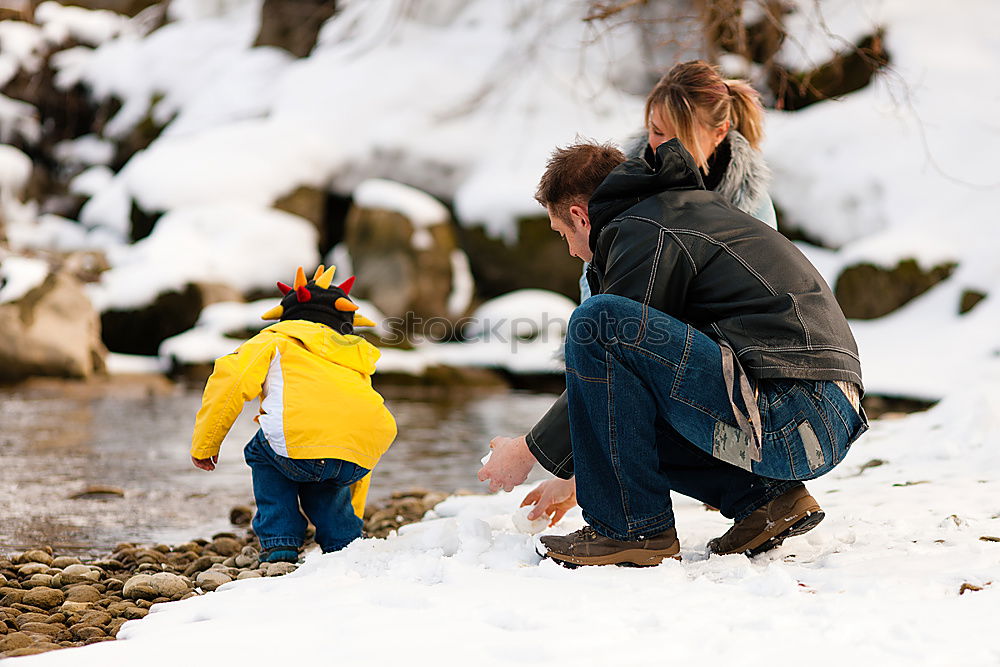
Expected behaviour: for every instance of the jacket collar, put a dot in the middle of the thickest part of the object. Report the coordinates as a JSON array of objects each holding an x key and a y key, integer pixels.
[
  {"x": 351, "y": 351},
  {"x": 669, "y": 168}
]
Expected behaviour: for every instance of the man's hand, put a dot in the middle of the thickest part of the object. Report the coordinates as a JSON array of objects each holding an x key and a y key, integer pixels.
[
  {"x": 509, "y": 463},
  {"x": 553, "y": 498},
  {"x": 205, "y": 464}
]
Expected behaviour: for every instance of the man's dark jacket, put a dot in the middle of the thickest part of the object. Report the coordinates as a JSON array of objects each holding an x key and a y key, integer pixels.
[{"x": 661, "y": 239}]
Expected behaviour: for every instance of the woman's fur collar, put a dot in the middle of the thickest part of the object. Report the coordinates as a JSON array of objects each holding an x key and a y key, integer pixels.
[{"x": 746, "y": 179}]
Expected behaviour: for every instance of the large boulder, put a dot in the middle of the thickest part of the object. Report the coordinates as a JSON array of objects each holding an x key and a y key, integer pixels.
[
  {"x": 866, "y": 291},
  {"x": 293, "y": 25},
  {"x": 404, "y": 252},
  {"x": 140, "y": 330},
  {"x": 52, "y": 330},
  {"x": 536, "y": 258}
]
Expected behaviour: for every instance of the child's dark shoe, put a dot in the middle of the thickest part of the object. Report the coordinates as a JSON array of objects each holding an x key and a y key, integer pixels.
[{"x": 279, "y": 555}]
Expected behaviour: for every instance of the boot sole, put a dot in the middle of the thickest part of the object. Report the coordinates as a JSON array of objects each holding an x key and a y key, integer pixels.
[
  {"x": 627, "y": 558},
  {"x": 803, "y": 525}
]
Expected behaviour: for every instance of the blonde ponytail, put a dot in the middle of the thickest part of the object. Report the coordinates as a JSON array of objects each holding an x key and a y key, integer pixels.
[
  {"x": 746, "y": 113},
  {"x": 694, "y": 93}
]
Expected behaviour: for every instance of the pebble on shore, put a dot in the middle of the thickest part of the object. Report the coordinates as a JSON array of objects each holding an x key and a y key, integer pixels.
[{"x": 48, "y": 601}]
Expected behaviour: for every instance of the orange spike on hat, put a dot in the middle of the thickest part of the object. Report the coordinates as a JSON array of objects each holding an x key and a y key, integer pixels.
[
  {"x": 319, "y": 272},
  {"x": 343, "y": 304},
  {"x": 300, "y": 278}
]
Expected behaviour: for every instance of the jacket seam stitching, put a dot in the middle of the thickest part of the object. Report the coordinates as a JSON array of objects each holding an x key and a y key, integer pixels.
[
  {"x": 805, "y": 328},
  {"x": 798, "y": 348},
  {"x": 714, "y": 242}
]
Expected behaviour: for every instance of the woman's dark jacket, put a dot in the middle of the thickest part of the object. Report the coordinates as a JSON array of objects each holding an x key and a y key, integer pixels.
[{"x": 661, "y": 239}]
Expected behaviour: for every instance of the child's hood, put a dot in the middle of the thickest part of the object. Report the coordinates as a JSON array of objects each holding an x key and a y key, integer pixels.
[{"x": 351, "y": 351}]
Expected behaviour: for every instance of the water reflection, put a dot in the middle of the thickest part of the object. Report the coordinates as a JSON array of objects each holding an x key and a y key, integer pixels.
[{"x": 56, "y": 439}]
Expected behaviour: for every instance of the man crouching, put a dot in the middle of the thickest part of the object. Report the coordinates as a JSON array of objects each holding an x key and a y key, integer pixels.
[{"x": 713, "y": 361}]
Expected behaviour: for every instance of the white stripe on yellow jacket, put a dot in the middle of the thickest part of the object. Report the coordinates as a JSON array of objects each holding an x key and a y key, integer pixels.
[{"x": 318, "y": 396}]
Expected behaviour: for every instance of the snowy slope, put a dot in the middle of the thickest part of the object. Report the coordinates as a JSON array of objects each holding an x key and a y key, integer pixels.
[
  {"x": 905, "y": 168},
  {"x": 876, "y": 583}
]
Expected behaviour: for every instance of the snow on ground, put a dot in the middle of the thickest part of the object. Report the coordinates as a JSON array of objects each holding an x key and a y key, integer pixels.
[
  {"x": 878, "y": 582},
  {"x": 20, "y": 275}
]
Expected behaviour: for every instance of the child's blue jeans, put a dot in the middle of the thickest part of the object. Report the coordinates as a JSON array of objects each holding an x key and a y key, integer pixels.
[
  {"x": 650, "y": 413},
  {"x": 322, "y": 486}
]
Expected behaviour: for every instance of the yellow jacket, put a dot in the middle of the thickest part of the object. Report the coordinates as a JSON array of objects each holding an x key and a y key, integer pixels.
[{"x": 317, "y": 401}]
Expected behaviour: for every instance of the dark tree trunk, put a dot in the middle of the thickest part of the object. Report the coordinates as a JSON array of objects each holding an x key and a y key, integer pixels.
[{"x": 293, "y": 25}]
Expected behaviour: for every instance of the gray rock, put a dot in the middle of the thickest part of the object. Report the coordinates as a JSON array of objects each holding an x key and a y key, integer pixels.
[
  {"x": 278, "y": 569},
  {"x": 225, "y": 546},
  {"x": 132, "y": 613},
  {"x": 43, "y": 597},
  {"x": 71, "y": 607},
  {"x": 140, "y": 587},
  {"x": 247, "y": 558},
  {"x": 40, "y": 579},
  {"x": 209, "y": 580},
  {"x": 83, "y": 593},
  {"x": 96, "y": 617},
  {"x": 65, "y": 561},
  {"x": 79, "y": 574},
  {"x": 14, "y": 641},
  {"x": 168, "y": 585},
  {"x": 48, "y": 629},
  {"x": 249, "y": 574},
  {"x": 83, "y": 632},
  {"x": 52, "y": 330},
  {"x": 34, "y": 556},
  {"x": 29, "y": 617},
  {"x": 29, "y": 569}
]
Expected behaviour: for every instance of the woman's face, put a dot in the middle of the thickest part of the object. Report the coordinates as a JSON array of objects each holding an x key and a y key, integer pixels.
[{"x": 661, "y": 130}]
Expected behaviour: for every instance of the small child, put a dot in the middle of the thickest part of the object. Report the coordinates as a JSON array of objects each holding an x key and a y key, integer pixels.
[{"x": 322, "y": 426}]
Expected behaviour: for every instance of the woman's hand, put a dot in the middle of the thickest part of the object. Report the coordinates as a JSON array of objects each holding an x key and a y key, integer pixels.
[
  {"x": 553, "y": 498},
  {"x": 509, "y": 463}
]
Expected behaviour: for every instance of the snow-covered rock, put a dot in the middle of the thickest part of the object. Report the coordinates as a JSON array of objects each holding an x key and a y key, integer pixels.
[{"x": 48, "y": 326}]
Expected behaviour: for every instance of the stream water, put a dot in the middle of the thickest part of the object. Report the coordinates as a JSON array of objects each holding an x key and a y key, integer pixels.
[{"x": 133, "y": 433}]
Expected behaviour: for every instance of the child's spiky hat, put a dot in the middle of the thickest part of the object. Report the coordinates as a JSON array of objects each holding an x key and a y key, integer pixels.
[{"x": 318, "y": 301}]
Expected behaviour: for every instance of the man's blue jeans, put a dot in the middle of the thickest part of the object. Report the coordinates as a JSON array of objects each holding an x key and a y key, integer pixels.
[
  {"x": 321, "y": 485},
  {"x": 650, "y": 413}
]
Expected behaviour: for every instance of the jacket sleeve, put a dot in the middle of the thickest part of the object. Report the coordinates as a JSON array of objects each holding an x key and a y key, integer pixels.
[
  {"x": 549, "y": 440},
  {"x": 646, "y": 263},
  {"x": 643, "y": 262},
  {"x": 237, "y": 378}
]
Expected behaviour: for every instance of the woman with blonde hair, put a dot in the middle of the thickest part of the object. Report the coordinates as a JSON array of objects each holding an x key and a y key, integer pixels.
[{"x": 720, "y": 122}]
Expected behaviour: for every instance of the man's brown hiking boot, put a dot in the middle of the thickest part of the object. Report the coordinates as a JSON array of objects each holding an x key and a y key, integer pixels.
[
  {"x": 792, "y": 513},
  {"x": 588, "y": 547}
]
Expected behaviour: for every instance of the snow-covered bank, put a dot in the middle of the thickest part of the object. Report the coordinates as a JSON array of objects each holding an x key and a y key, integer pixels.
[{"x": 878, "y": 582}]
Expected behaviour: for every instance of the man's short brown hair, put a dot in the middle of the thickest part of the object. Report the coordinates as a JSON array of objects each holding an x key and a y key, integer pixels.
[{"x": 573, "y": 173}]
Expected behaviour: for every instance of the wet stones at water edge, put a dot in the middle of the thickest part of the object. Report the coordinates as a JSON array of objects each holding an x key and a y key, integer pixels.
[{"x": 49, "y": 601}]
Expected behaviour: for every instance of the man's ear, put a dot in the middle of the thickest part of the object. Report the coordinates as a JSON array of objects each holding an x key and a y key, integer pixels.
[{"x": 579, "y": 216}]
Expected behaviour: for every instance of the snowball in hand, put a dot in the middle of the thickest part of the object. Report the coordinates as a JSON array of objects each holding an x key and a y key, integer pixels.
[
  {"x": 486, "y": 458},
  {"x": 525, "y": 525}
]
